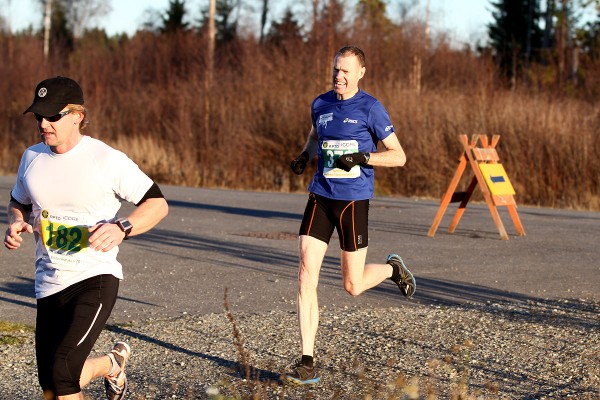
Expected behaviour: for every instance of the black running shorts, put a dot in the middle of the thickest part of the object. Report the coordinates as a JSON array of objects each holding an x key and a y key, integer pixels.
[
  {"x": 68, "y": 324},
  {"x": 350, "y": 218}
]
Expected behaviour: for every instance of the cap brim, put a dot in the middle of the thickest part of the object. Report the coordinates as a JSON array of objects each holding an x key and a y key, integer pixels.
[{"x": 45, "y": 109}]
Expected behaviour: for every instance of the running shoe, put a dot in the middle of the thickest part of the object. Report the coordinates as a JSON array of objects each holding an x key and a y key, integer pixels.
[
  {"x": 406, "y": 281},
  {"x": 302, "y": 375},
  {"x": 116, "y": 385}
]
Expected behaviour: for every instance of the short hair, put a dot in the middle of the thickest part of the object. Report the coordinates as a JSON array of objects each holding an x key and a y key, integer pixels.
[
  {"x": 352, "y": 50},
  {"x": 81, "y": 109}
]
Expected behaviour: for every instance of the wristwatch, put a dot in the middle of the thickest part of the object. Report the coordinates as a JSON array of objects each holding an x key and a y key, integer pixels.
[{"x": 125, "y": 226}]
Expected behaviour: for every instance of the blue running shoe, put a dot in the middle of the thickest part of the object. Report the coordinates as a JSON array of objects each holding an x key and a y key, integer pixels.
[{"x": 302, "y": 375}]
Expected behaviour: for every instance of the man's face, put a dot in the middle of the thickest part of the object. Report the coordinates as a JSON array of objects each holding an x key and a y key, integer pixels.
[
  {"x": 346, "y": 74},
  {"x": 60, "y": 135}
]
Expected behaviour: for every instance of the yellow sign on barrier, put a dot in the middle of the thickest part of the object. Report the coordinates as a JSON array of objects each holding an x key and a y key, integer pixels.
[
  {"x": 480, "y": 153},
  {"x": 496, "y": 179}
]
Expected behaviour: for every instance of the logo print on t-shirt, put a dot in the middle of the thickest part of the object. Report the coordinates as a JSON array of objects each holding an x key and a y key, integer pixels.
[{"x": 324, "y": 119}]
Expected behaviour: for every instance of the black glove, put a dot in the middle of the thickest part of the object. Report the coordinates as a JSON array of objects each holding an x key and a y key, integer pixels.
[
  {"x": 299, "y": 163},
  {"x": 347, "y": 161}
]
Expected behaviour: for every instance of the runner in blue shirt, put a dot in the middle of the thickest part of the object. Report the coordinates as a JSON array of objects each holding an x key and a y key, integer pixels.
[{"x": 347, "y": 124}]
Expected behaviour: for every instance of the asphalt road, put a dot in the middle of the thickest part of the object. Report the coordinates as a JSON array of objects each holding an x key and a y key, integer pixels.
[{"x": 246, "y": 242}]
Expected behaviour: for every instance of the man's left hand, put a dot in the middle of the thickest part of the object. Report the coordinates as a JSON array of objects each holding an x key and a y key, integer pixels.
[
  {"x": 105, "y": 236},
  {"x": 348, "y": 161}
]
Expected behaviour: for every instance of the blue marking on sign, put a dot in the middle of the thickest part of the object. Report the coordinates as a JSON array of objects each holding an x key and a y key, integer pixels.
[{"x": 497, "y": 179}]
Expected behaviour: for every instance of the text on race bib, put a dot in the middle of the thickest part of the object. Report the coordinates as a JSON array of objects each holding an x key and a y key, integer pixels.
[
  {"x": 56, "y": 236},
  {"x": 332, "y": 150}
]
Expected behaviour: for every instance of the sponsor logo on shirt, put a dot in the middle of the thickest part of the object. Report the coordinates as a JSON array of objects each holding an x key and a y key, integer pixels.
[
  {"x": 350, "y": 121},
  {"x": 324, "y": 119},
  {"x": 389, "y": 128},
  {"x": 338, "y": 144}
]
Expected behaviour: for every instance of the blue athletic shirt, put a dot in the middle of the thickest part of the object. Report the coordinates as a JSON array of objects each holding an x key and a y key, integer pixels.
[{"x": 343, "y": 127}]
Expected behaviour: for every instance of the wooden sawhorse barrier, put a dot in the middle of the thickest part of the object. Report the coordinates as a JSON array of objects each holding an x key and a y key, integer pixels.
[{"x": 493, "y": 181}]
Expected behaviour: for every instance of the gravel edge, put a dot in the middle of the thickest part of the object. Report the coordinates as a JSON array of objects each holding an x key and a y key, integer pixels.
[{"x": 531, "y": 350}]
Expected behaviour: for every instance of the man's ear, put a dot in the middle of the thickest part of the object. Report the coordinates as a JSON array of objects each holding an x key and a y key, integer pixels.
[{"x": 362, "y": 72}]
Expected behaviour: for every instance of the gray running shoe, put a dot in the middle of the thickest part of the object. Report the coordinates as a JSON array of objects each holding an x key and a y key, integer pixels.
[
  {"x": 116, "y": 385},
  {"x": 302, "y": 375},
  {"x": 406, "y": 281}
]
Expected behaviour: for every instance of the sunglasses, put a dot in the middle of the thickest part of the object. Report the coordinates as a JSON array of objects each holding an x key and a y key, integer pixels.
[{"x": 53, "y": 118}]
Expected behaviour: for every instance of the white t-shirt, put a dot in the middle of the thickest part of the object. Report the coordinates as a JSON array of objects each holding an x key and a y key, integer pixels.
[{"x": 69, "y": 193}]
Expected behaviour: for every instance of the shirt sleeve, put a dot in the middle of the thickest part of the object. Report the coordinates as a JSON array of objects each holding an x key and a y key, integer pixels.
[
  {"x": 19, "y": 191},
  {"x": 131, "y": 183},
  {"x": 379, "y": 121}
]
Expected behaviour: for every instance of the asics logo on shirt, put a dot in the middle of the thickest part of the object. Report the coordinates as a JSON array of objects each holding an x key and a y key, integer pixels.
[
  {"x": 350, "y": 121},
  {"x": 389, "y": 128}
]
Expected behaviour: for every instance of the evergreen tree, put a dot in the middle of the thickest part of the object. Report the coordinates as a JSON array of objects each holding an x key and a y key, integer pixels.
[
  {"x": 60, "y": 35},
  {"x": 515, "y": 34},
  {"x": 225, "y": 21},
  {"x": 173, "y": 20},
  {"x": 286, "y": 32},
  {"x": 226, "y": 24},
  {"x": 589, "y": 37},
  {"x": 594, "y": 38},
  {"x": 372, "y": 14}
]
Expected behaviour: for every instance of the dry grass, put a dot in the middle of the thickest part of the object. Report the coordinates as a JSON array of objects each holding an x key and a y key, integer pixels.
[
  {"x": 548, "y": 147},
  {"x": 147, "y": 96},
  {"x": 547, "y": 144},
  {"x": 13, "y": 334},
  {"x": 453, "y": 370}
]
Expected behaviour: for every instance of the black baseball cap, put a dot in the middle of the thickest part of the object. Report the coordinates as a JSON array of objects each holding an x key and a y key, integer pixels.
[{"x": 53, "y": 94}]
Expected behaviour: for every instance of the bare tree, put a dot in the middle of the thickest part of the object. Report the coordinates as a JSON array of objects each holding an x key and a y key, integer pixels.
[
  {"x": 208, "y": 82},
  {"x": 263, "y": 19},
  {"x": 82, "y": 13},
  {"x": 5, "y": 22},
  {"x": 47, "y": 26},
  {"x": 78, "y": 13},
  {"x": 151, "y": 20},
  {"x": 5, "y": 27}
]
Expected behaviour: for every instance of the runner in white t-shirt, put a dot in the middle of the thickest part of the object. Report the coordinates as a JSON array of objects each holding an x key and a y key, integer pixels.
[{"x": 72, "y": 185}]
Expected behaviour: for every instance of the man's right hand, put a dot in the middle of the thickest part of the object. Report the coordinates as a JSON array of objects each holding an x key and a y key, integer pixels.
[
  {"x": 299, "y": 164},
  {"x": 13, "y": 239}
]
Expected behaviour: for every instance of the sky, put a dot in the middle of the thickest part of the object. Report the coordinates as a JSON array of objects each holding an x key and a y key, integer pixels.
[{"x": 464, "y": 20}]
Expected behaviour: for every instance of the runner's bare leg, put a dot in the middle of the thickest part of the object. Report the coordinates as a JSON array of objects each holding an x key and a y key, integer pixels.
[
  {"x": 312, "y": 252},
  {"x": 359, "y": 277}
]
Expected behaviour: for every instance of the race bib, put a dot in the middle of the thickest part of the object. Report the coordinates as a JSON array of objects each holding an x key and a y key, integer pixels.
[
  {"x": 331, "y": 150},
  {"x": 65, "y": 237}
]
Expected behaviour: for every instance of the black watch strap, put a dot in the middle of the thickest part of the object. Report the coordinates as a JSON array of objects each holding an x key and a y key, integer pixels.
[{"x": 125, "y": 226}]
